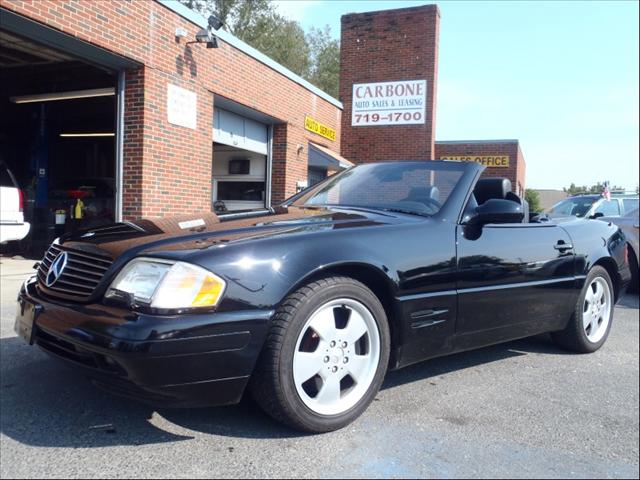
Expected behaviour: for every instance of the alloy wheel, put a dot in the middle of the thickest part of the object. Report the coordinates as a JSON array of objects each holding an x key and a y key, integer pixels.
[
  {"x": 336, "y": 356},
  {"x": 596, "y": 313}
]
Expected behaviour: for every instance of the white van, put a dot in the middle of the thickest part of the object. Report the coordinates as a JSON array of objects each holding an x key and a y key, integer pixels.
[{"x": 12, "y": 224}]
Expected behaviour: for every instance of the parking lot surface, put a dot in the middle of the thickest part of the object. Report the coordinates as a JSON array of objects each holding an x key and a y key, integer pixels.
[{"x": 522, "y": 409}]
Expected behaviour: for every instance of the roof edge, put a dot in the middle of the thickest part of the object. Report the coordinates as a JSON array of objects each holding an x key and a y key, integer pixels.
[
  {"x": 235, "y": 42},
  {"x": 454, "y": 142}
]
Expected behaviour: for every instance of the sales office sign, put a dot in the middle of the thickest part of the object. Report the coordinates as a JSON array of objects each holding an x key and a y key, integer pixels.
[{"x": 389, "y": 103}]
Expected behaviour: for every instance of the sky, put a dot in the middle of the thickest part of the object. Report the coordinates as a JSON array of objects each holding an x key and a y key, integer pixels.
[{"x": 562, "y": 77}]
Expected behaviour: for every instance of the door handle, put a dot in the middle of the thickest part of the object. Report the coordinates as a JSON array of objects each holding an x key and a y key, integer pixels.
[{"x": 561, "y": 246}]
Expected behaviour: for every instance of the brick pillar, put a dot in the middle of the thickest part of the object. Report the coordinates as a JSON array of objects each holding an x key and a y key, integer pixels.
[
  {"x": 389, "y": 46},
  {"x": 279, "y": 164},
  {"x": 133, "y": 141},
  {"x": 167, "y": 167}
]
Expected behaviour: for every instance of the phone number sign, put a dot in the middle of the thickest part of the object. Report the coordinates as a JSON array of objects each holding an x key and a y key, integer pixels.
[{"x": 389, "y": 103}]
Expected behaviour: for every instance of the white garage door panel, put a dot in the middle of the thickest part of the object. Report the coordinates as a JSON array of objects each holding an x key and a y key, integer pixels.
[
  {"x": 237, "y": 131},
  {"x": 255, "y": 136}
]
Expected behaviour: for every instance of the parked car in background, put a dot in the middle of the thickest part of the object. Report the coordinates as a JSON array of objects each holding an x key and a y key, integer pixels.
[
  {"x": 594, "y": 205},
  {"x": 629, "y": 224},
  {"x": 309, "y": 304},
  {"x": 12, "y": 224}
]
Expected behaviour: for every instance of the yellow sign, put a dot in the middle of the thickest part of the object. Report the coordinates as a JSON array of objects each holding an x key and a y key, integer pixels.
[
  {"x": 496, "y": 161},
  {"x": 319, "y": 128}
]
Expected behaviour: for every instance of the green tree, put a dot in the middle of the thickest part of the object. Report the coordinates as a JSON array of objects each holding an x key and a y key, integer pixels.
[
  {"x": 533, "y": 199},
  {"x": 283, "y": 41},
  {"x": 325, "y": 60},
  {"x": 243, "y": 18},
  {"x": 315, "y": 56},
  {"x": 573, "y": 189}
]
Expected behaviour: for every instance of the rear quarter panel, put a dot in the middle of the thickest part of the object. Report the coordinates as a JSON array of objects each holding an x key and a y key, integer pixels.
[{"x": 599, "y": 243}]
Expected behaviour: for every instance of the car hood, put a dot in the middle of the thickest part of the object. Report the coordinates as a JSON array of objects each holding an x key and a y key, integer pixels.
[{"x": 207, "y": 229}]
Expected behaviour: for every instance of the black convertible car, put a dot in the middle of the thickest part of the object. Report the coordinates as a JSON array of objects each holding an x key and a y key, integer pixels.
[{"x": 307, "y": 306}]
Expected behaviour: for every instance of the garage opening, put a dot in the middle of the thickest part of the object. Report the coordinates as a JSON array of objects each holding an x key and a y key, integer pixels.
[
  {"x": 58, "y": 137},
  {"x": 240, "y": 163}
]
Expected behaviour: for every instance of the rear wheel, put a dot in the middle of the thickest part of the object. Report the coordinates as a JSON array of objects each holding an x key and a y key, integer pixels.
[
  {"x": 633, "y": 266},
  {"x": 590, "y": 323},
  {"x": 325, "y": 357}
]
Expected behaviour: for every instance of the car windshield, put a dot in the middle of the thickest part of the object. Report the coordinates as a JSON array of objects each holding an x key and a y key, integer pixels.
[
  {"x": 406, "y": 187},
  {"x": 574, "y": 206}
]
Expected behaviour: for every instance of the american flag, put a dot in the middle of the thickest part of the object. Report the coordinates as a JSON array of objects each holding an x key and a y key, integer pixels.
[{"x": 605, "y": 191}]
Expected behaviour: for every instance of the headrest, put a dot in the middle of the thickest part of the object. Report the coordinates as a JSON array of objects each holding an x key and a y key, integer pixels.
[
  {"x": 488, "y": 188},
  {"x": 419, "y": 193}
]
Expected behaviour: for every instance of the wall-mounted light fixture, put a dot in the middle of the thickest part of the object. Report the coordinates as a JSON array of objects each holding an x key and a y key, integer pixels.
[
  {"x": 215, "y": 22},
  {"x": 206, "y": 35}
]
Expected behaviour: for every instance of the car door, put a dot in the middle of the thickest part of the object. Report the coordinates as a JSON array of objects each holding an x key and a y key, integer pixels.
[{"x": 513, "y": 280}]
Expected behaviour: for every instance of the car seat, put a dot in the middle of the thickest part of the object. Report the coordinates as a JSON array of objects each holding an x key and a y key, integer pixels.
[
  {"x": 498, "y": 188},
  {"x": 423, "y": 195}
]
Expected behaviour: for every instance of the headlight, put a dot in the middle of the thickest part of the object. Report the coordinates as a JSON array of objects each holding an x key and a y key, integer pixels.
[{"x": 168, "y": 285}]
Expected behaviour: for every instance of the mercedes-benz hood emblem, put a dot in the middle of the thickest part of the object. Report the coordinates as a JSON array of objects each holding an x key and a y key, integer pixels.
[{"x": 56, "y": 269}]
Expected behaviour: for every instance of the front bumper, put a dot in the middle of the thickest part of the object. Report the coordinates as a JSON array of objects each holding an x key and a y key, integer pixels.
[{"x": 183, "y": 361}]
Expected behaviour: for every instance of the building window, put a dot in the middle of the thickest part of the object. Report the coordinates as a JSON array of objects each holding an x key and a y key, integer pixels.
[{"x": 240, "y": 191}]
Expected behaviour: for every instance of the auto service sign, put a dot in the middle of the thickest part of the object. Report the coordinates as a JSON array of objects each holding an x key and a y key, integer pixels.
[{"x": 389, "y": 103}]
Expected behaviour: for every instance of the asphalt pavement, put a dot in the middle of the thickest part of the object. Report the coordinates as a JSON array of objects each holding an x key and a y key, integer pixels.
[{"x": 522, "y": 409}]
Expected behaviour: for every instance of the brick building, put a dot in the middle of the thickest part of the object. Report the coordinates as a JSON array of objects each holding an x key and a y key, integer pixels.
[
  {"x": 503, "y": 158},
  {"x": 114, "y": 104},
  {"x": 113, "y": 111},
  {"x": 383, "y": 54},
  {"x": 380, "y": 47}
]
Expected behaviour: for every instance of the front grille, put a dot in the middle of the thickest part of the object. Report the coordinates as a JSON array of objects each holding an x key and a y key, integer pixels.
[{"x": 80, "y": 276}]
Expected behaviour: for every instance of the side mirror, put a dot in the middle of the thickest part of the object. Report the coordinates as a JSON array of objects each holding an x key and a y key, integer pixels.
[
  {"x": 597, "y": 215},
  {"x": 496, "y": 210}
]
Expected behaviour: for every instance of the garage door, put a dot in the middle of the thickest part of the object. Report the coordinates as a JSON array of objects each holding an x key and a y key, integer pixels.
[{"x": 240, "y": 132}]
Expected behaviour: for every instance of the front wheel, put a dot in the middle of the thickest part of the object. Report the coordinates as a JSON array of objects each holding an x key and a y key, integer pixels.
[
  {"x": 591, "y": 321},
  {"x": 325, "y": 357}
]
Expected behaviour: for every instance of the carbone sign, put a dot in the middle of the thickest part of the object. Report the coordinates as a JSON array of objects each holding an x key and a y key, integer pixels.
[{"x": 389, "y": 103}]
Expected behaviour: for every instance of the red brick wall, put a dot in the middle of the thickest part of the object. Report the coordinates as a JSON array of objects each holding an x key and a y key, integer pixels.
[
  {"x": 133, "y": 144},
  {"x": 516, "y": 170},
  {"x": 386, "y": 46},
  {"x": 168, "y": 168}
]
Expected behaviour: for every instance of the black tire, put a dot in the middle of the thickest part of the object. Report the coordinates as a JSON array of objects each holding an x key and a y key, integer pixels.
[
  {"x": 574, "y": 337},
  {"x": 633, "y": 266},
  {"x": 272, "y": 385}
]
